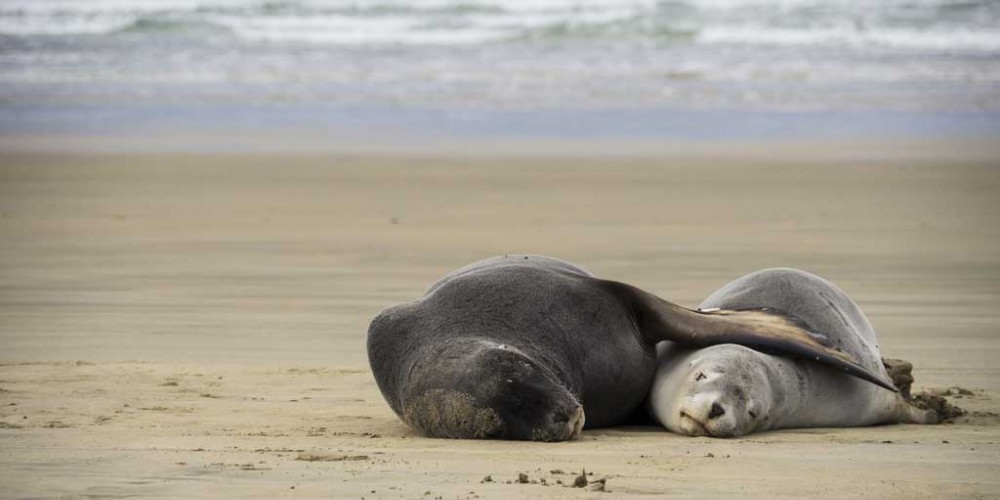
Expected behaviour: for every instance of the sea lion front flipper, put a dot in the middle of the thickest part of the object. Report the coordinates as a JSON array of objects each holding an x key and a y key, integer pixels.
[{"x": 760, "y": 329}]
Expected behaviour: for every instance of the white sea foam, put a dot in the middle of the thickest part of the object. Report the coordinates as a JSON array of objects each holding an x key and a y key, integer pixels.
[
  {"x": 938, "y": 40},
  {"x": 921, "y": 24},
  {"x": 36, "y": 25},
  {"x": 345, "y": 30},
  {"x": 508, "y": 52}
]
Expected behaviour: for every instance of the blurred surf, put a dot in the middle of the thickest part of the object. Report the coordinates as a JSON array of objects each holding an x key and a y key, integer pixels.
[{"x": 758, "y": 54}]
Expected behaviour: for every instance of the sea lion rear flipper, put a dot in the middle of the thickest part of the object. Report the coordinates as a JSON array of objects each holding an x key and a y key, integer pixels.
[
  {"x": 760, "y": 329},
  {"x": 901, "y": 373}
]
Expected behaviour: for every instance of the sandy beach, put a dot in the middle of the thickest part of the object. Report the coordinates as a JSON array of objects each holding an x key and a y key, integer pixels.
[{"x": 192, "y": 325}]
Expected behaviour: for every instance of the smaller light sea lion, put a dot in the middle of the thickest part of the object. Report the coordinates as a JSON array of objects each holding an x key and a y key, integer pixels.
[{"x": 729, "y": 390}]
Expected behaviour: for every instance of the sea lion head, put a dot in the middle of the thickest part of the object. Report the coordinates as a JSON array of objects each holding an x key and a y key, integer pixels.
[
  {"x": 483, "y": 389},
  {"x": 718, "y": 391}
]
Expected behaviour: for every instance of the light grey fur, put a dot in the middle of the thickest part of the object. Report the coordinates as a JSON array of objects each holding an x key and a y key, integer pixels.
[{"x": 753, "y": 391}]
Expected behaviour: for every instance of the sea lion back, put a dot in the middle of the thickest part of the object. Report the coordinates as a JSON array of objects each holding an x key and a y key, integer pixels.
[{"x": 819, "y": 303}]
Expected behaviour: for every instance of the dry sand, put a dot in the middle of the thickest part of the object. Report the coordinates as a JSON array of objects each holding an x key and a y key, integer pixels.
[{"x": 193, "y": 325}]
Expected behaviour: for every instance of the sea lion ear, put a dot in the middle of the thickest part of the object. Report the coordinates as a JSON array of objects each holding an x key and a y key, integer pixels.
[{"x": 760, "y": 329}]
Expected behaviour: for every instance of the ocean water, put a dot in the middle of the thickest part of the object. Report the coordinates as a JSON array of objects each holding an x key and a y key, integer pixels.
[{"x": 764, "y": 56}]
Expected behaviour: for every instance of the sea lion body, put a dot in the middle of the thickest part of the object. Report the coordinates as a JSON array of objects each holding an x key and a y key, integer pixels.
[
  {"x": 577, "y": 345},
  {"x": 728, "y": 390}
]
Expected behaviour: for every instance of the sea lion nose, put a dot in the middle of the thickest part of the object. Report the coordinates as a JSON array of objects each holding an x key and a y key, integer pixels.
[
  {"x": 572, "y": 420},
  {"x": 561, "y": 416},
  {"x": 576, "y": 422},
  {"x": 717, "y": 411}
]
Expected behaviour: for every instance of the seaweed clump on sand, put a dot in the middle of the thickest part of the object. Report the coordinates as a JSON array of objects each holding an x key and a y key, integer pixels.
[
  {"x": 945, "y": 411},
  {"x": 901, "y": 373}
]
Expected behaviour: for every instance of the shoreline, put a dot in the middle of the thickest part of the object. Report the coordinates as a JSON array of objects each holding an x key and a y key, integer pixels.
[{"x": 306, "y": 129}]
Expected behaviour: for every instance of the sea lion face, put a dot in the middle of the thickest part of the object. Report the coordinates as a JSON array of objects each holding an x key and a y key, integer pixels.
[
  {"x": 489, "y": 390},
  {"x": 723, "y": 392}
]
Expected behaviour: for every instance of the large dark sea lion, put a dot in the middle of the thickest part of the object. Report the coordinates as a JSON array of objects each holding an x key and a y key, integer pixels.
[
  {"x": 729, "y": 390},
  {"x": 531, "y": 348}
]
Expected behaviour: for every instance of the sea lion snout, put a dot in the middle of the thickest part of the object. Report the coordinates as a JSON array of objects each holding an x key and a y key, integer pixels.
[
  {"x": 572, "y": 421},
  {"x": 722, "y": 392},
  {"x": 710, "y": 415}
]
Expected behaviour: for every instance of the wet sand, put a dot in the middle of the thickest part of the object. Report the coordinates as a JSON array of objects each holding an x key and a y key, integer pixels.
[{"x": 193, "y": 325}]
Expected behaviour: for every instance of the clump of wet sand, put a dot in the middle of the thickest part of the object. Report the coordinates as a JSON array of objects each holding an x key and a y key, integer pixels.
[{"x": 935, "y": 401}]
